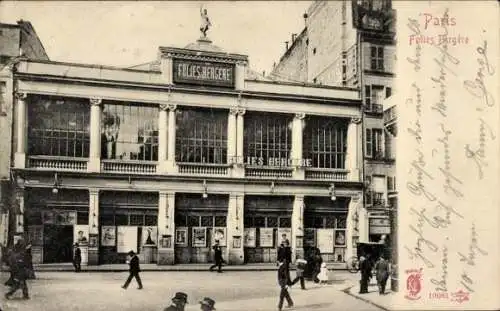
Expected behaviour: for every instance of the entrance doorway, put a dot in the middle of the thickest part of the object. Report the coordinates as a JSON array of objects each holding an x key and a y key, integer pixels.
[{"x": 58, "y": 243}]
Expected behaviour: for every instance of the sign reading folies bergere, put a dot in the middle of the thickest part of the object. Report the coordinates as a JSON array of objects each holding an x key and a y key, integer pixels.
[{"x": 203, "y": 73}]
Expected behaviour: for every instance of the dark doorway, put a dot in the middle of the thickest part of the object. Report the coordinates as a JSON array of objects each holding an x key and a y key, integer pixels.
[{"x": 58, "y": 243}]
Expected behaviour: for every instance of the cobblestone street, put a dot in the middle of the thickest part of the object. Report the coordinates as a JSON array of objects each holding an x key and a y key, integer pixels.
[{"x": 233, "y": 290}]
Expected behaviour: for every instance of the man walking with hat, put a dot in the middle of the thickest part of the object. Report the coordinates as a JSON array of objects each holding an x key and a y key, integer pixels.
[
  {"x": 178, "y": 302},
  {"x": 77, "y": 258},
  {"x": 134, "y": 270},
  {"x": 207, "y": 304}
]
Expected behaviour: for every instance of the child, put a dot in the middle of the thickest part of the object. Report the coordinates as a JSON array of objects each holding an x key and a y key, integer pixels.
[{"x": 323, "y": 274}]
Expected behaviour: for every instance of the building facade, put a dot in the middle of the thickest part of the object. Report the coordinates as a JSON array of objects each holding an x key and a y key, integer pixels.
[
  {"x": 352, "y": 44},
  {"x": 168, "y": 157},
  {"x": 17, "y": 41}
]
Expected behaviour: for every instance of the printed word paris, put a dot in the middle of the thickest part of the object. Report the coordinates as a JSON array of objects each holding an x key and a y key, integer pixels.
[{"x": 431, "y": 20}]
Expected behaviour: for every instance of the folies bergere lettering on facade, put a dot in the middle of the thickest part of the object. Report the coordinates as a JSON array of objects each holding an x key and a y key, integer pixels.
[{"x": 204, "y": 73}]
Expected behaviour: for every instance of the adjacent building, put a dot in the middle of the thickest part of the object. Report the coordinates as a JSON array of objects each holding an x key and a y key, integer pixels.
[
  {"x": 167, "y": 157},
  {"x": 352, "y": 44},
  {"x": 17, "y": 41}
]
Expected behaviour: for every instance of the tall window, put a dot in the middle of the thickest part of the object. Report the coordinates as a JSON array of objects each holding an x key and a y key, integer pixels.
[
  {"x": 374, "y": 95},
  {"x": 129, "y": 131},
  {"x": 201, "y": 136},
  {"x": 268, "y": 138},
  {"x": 58, "y": 127},
  {"x": 377, "y": 57},
  {"x": 325, "y": 142},
  {"x": 374, "y": 143}
]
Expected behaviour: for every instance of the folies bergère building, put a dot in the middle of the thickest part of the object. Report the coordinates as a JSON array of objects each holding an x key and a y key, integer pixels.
[{"x": 165, "y": 158}]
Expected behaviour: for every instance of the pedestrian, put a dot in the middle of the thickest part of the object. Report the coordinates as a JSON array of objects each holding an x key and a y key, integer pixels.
[
  {"x": 283, "y": 282},
  {"x": 285, "y": 255},
  {"x": 323, "y": 274},
  {"x": 29, "y": 262},
  {"x": 18, "y": 268},
  {"x": 382, "y": 268},
  {"x": 178, "y": 302},
  {"x": 365, "y": 270},
  {"x": 134, "y": 270},
  {"x": 9, "y": 259},
  {"x": 317, "y": 266},
  {"x": 217, "y": 257},
  {"x": 207, "y": 304},
  {"x": 301, "y": 266},
  {"x": 77, "y": 257}
]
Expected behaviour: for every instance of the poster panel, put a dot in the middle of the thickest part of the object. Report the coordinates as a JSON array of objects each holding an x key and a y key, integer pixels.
[
  {"x": 266, "y": 237},
  {"x": 340, "y": 238},
  {"x": 325, "y": 240},
  {"x": 220, "y": 235},
  {"x": 108, "y": 235},
  {"x": 81, "y": 234},
  {"x": 126, "y": 239},
  {"x": 199, "y": 237},
  {"x": 250, "y": 237},
  {"x": 149, "y": 235},
  {"x": 181, "y": 237}
]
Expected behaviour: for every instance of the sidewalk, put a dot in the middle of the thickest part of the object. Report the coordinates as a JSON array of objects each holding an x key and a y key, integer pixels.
[
  {"x": 61, "y": 267},
  {"x": 385, "y": 302}
]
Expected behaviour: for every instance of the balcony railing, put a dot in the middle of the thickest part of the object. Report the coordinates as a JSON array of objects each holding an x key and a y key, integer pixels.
[
  {"x": 203, "y": 169},
  {"x": 376, "y": 199},
  {"x": 57, "y": 163},
  {"x": 375, "y": 108},
  {"x": 268, "y": 172},
  {"x": 134, "y": 167},
  {"x": 326, "y": 174}
]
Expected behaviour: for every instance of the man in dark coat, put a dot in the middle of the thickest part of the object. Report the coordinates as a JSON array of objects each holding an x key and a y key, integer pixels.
[
  {"x": 283, "y": 281},
  {"x": 77, "y": 258},
  {"x": 285, "y": 255},
  {"x": 366, "y": 271},
  {"x": 301, "y": 266},
  {"x": 178, "y": 302},
  {"x": 382, "y": 268},
  {"x": 134, "y": 270},
  {"x": 18, "y": 268},
  {"x": 29, "y": 262},
  {"x": 217, "y": 257},
  {"x": 318, "y": 260},
  {"x": 207, "y": 304}
]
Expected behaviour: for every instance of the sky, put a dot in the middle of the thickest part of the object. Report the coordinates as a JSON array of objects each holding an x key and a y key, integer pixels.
[{"x": 126, "y": 33}]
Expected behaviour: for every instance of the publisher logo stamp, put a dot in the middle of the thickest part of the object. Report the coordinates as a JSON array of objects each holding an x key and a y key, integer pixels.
[{"x": 413, "y": 284}]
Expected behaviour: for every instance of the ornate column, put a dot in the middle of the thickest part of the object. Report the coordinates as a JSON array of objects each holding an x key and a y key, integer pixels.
[
  {"x": 297, "y": 139},
  {"x": 231, "y": 135},
  {"x": 297, "y": 227},
  {"x": 357, "y": 224},
  {"x": 94, "y": 164},
  {"x": 239, "y": 170},
  {"x": 166, "y": 67},
  {"x": 166, "y": 228},
  {"x": 21, "y": 129},
  {"x": 19, "y": 212},
  {"x": 171, "y": 138},
  {"x": 162, "y": 139},
  {"x": 239, "y": 75},
  {"x": 93, "y": 250},
  {"x": 353, "y": 142},
  {"x": 235, "y": 229}
]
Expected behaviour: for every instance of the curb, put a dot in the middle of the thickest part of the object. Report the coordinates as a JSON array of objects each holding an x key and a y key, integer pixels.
[{"x": 348, "y": 292}]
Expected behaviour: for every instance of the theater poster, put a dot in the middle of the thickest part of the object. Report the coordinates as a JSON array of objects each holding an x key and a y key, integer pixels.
[
  {"x": 219, "y": 234},
  {"x": 81, "y": 234},
  {"x": 199, "y": 237},
  {"x": 249, "y": 237},
  {"x": 325, "y": 240},
  {"x": 126, "y": 239},
  {"x": 266, "y": 237},
  {"x": 108, "y": 235},
  {"x": 149, "y": 235},
  {"x": 287, "y": 233}
]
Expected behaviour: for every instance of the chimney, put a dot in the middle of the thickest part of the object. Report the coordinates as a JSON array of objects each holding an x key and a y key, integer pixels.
[
  {"x": 286, "y": 42},
  {"x": 294, "y": 36}
]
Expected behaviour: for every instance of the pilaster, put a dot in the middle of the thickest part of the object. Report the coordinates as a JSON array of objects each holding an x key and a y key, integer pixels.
[
  {"x": 239, "y": 75},
  {"x": 357, "y": 225},
  {"x": 171, "y": 167},
  {"x": 93, "y": 251},
  {"x": 239, "y": 170},
  {"x": 297, "y": 228},
  {"x": 235, "y": 254},
  {"x": 231, "y": 135},
  {"x": 353, "y": 142},
  {"x": 166, "y": 67},
  {"x": 166, "y": 228},
  {"x": 94, "y": 164},
  {"x": 21, "y": 129},
  {"x": 297, "y": 142},
  {"x": 19, "y": 212},
  {"x": 163, "y": 139}
]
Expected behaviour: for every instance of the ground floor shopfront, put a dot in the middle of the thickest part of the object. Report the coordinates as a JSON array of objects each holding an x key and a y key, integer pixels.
[{"x": 176, "y": 226}]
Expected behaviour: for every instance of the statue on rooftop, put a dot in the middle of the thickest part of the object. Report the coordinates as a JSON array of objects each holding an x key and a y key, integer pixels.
[{"x": 205, "y": 22}]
